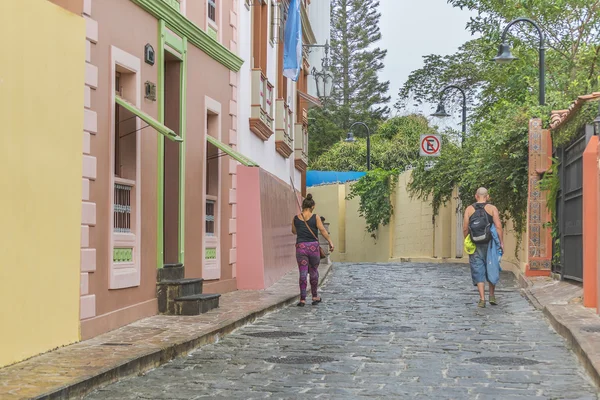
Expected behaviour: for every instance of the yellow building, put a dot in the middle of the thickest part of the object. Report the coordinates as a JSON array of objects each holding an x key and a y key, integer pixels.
[{"x": 41, "y": 109}]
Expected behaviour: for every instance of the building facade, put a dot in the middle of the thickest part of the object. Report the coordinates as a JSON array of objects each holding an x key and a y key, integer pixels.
[
  {"x": 158, "y": 171},
  {"x": 273, "y": 130},
  {"x": 171, "y": 159}
]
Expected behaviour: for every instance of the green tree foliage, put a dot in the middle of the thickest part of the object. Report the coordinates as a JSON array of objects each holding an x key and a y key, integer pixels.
[
  {"x": 357, "y": 93},
  {"x": 394, "y": 145},
  {"x": 504, "y": 97},
  {"x": 375, "y": 190}
]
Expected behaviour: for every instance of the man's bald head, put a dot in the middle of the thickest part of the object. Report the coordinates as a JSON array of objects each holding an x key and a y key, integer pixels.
[{"x": 482, "y": 194}]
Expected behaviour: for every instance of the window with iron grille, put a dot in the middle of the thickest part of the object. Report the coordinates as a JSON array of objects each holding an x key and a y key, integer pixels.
[
  {"x": 210, "y": 217},
  {"x": 212, "y": 10}
]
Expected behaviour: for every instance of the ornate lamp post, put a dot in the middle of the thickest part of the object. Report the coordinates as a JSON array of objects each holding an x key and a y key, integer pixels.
[
  {"x": 505, "y": 56},
  {"x": 323, "y": 78},
  {"x": 441, "y": 110}
]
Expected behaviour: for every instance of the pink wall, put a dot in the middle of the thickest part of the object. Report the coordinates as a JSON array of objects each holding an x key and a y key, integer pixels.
[
  {"x": 251, "y": 266},
  {"x": 265, "y": 243}
]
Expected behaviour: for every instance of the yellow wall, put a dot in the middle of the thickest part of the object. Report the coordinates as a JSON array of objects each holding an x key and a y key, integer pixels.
[
  {"x": 410, "y": 235},
  {"x": 41, "y": 112},
  {"x": 413, "y": 224},
  {"x": 329, "y": 202}
]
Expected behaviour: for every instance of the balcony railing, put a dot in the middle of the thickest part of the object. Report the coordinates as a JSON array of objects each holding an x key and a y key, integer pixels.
[
  {"x": 261, "y": 118},
  {"x": 283, "y": 128},
  {"x": 301, "y": 147}
]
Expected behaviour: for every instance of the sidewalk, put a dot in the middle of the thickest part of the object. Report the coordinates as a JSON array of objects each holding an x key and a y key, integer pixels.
[
  {"x": 561, "y": 303},
  {"x": 75, "y": 370}
]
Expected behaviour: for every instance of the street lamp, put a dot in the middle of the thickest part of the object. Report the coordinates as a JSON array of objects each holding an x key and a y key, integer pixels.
[
  {"x": 323, "y": 78},
  {"x": 505, "y": 56},
  {"x": 597, "y": 122},
  {"x": 350, "y": 139},
  {"x": 441, "y": 110}
]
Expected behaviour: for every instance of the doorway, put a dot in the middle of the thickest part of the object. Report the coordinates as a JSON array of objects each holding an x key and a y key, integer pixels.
[{"x": 172, "y": 161}]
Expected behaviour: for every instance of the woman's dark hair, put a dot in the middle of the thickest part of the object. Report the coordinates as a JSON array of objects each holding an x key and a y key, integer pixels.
[{"x": 308, "y": 202}]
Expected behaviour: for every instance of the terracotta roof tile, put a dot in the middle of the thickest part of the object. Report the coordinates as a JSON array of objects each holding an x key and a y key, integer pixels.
[{"x": 559, "y": 117}]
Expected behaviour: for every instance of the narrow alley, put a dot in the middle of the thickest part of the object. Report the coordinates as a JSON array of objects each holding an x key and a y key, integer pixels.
[{"x": 382, "y": 331}]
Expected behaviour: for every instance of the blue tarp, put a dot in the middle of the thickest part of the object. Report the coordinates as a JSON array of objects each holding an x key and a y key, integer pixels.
[{"x": 314, "y": 178}]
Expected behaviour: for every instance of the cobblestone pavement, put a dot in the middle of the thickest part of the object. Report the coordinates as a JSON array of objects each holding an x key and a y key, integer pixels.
[{"x": 382, "y": 331}]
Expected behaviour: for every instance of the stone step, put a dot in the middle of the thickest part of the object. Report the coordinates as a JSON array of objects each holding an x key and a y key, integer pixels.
[
  {"x": 170, "y": 272},
  {"x": 197, "y": 304},
  {"x": 169, "y": 290}
]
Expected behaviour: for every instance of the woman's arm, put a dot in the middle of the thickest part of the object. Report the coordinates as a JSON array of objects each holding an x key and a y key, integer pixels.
[
  {"x": 323, "y": 231},
  {"x": 294, "y": 225}
]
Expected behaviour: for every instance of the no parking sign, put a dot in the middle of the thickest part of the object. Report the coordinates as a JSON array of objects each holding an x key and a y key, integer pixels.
[{"x": 431, "y": 145}]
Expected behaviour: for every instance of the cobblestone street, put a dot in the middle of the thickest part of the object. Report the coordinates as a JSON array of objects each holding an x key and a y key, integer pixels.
[{"x": 382, "y": 331}]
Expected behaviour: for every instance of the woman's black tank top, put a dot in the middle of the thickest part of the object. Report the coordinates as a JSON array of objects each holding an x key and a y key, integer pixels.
[{"x": 302, "y": 232}]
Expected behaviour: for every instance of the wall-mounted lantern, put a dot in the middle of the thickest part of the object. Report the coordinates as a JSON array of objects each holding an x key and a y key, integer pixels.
[
  {"x": 150, "y": 91},
  {"x": 149, "y": 55}
]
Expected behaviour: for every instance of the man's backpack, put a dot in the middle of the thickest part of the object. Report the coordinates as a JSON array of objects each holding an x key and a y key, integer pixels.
[{"x": 479, "y": 225}]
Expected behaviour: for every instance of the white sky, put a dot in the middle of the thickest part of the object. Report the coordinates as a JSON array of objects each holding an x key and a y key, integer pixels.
[{"x": 412, "y": 29}]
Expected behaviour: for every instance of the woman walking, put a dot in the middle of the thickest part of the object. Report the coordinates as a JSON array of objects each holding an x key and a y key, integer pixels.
[{"x": 306, "y": 226}]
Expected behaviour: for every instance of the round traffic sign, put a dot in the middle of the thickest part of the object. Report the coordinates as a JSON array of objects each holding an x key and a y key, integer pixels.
[{"x": 430, "y": 144}]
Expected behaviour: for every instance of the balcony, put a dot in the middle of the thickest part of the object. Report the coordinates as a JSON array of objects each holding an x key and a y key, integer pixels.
[
  {"x": 283, "y": 129},
  {"x": 301, "y": 150},
  {"x": 261, "y": 117}
]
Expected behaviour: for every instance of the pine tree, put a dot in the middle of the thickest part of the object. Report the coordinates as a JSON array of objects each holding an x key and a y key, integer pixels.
[{"x": 357, "y": 93}]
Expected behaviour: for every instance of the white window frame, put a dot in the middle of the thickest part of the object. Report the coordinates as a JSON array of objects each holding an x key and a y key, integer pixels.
[
  {"x": 125, "y": 275},
  {"x": 211, "y": 269},
  {"x": 218, "y": 17}
]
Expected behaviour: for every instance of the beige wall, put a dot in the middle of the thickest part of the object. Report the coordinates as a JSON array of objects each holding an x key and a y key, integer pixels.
[
  {"x": 413, "y": 224},
  {"x": 411, "y": 235},
  {"x": 330, "y": 204}
]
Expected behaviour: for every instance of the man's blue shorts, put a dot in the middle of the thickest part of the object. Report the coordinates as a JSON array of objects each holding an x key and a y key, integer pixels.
[{"x": 480, "y": 271}]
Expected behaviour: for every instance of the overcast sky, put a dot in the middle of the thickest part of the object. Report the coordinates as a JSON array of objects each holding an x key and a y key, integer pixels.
[{"x": 412, "y": 29}]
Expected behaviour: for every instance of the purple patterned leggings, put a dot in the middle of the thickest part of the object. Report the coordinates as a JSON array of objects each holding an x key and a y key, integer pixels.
[{"x": 308, "y": 257}]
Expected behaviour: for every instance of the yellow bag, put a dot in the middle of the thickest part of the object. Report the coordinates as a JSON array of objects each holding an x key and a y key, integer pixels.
[{"x": 469, "y": 245}]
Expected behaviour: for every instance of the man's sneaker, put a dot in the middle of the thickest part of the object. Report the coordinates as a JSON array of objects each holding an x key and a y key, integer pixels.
[
  {"x": 493, "y": 301},
  {"x": 481, "y": 304}
]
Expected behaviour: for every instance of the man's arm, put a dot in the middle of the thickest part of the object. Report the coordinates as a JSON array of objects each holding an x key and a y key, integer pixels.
[
  {"x": 466, "y": 222},
  {"x": 498, "y": 225}
]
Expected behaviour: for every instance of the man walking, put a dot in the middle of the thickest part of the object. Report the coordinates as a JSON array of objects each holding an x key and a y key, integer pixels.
[{"x": 482, "y": 223}]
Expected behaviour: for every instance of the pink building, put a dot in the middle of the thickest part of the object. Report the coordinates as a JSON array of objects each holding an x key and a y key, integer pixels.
[{"x": 159, "y": 173}]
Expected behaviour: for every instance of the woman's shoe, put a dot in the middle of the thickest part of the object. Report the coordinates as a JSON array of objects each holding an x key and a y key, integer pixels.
[
  {"x": 315, "y": 302},
  {"x": 301, "y": 304}
]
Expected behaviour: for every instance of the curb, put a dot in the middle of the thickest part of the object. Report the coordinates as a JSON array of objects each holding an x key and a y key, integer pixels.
[
  {"x": 576, "y": 343},
  {"x": 154, "y": 359}
]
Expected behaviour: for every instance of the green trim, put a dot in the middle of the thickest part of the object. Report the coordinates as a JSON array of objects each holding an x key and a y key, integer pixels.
[
  {"x": 231, "y": 152},
  {"x": 174, "y": 4},
  {"x": 160, "y": 187},
  {"x": 182, "y": 150},
  {"x": 196, "y": 36},
  {"x": 158, "y": 126},
  {"x": 175, "y": 42}
]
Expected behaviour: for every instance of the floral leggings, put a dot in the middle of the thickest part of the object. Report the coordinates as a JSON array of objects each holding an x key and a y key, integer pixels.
[{"x": 308, "y": 257}]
